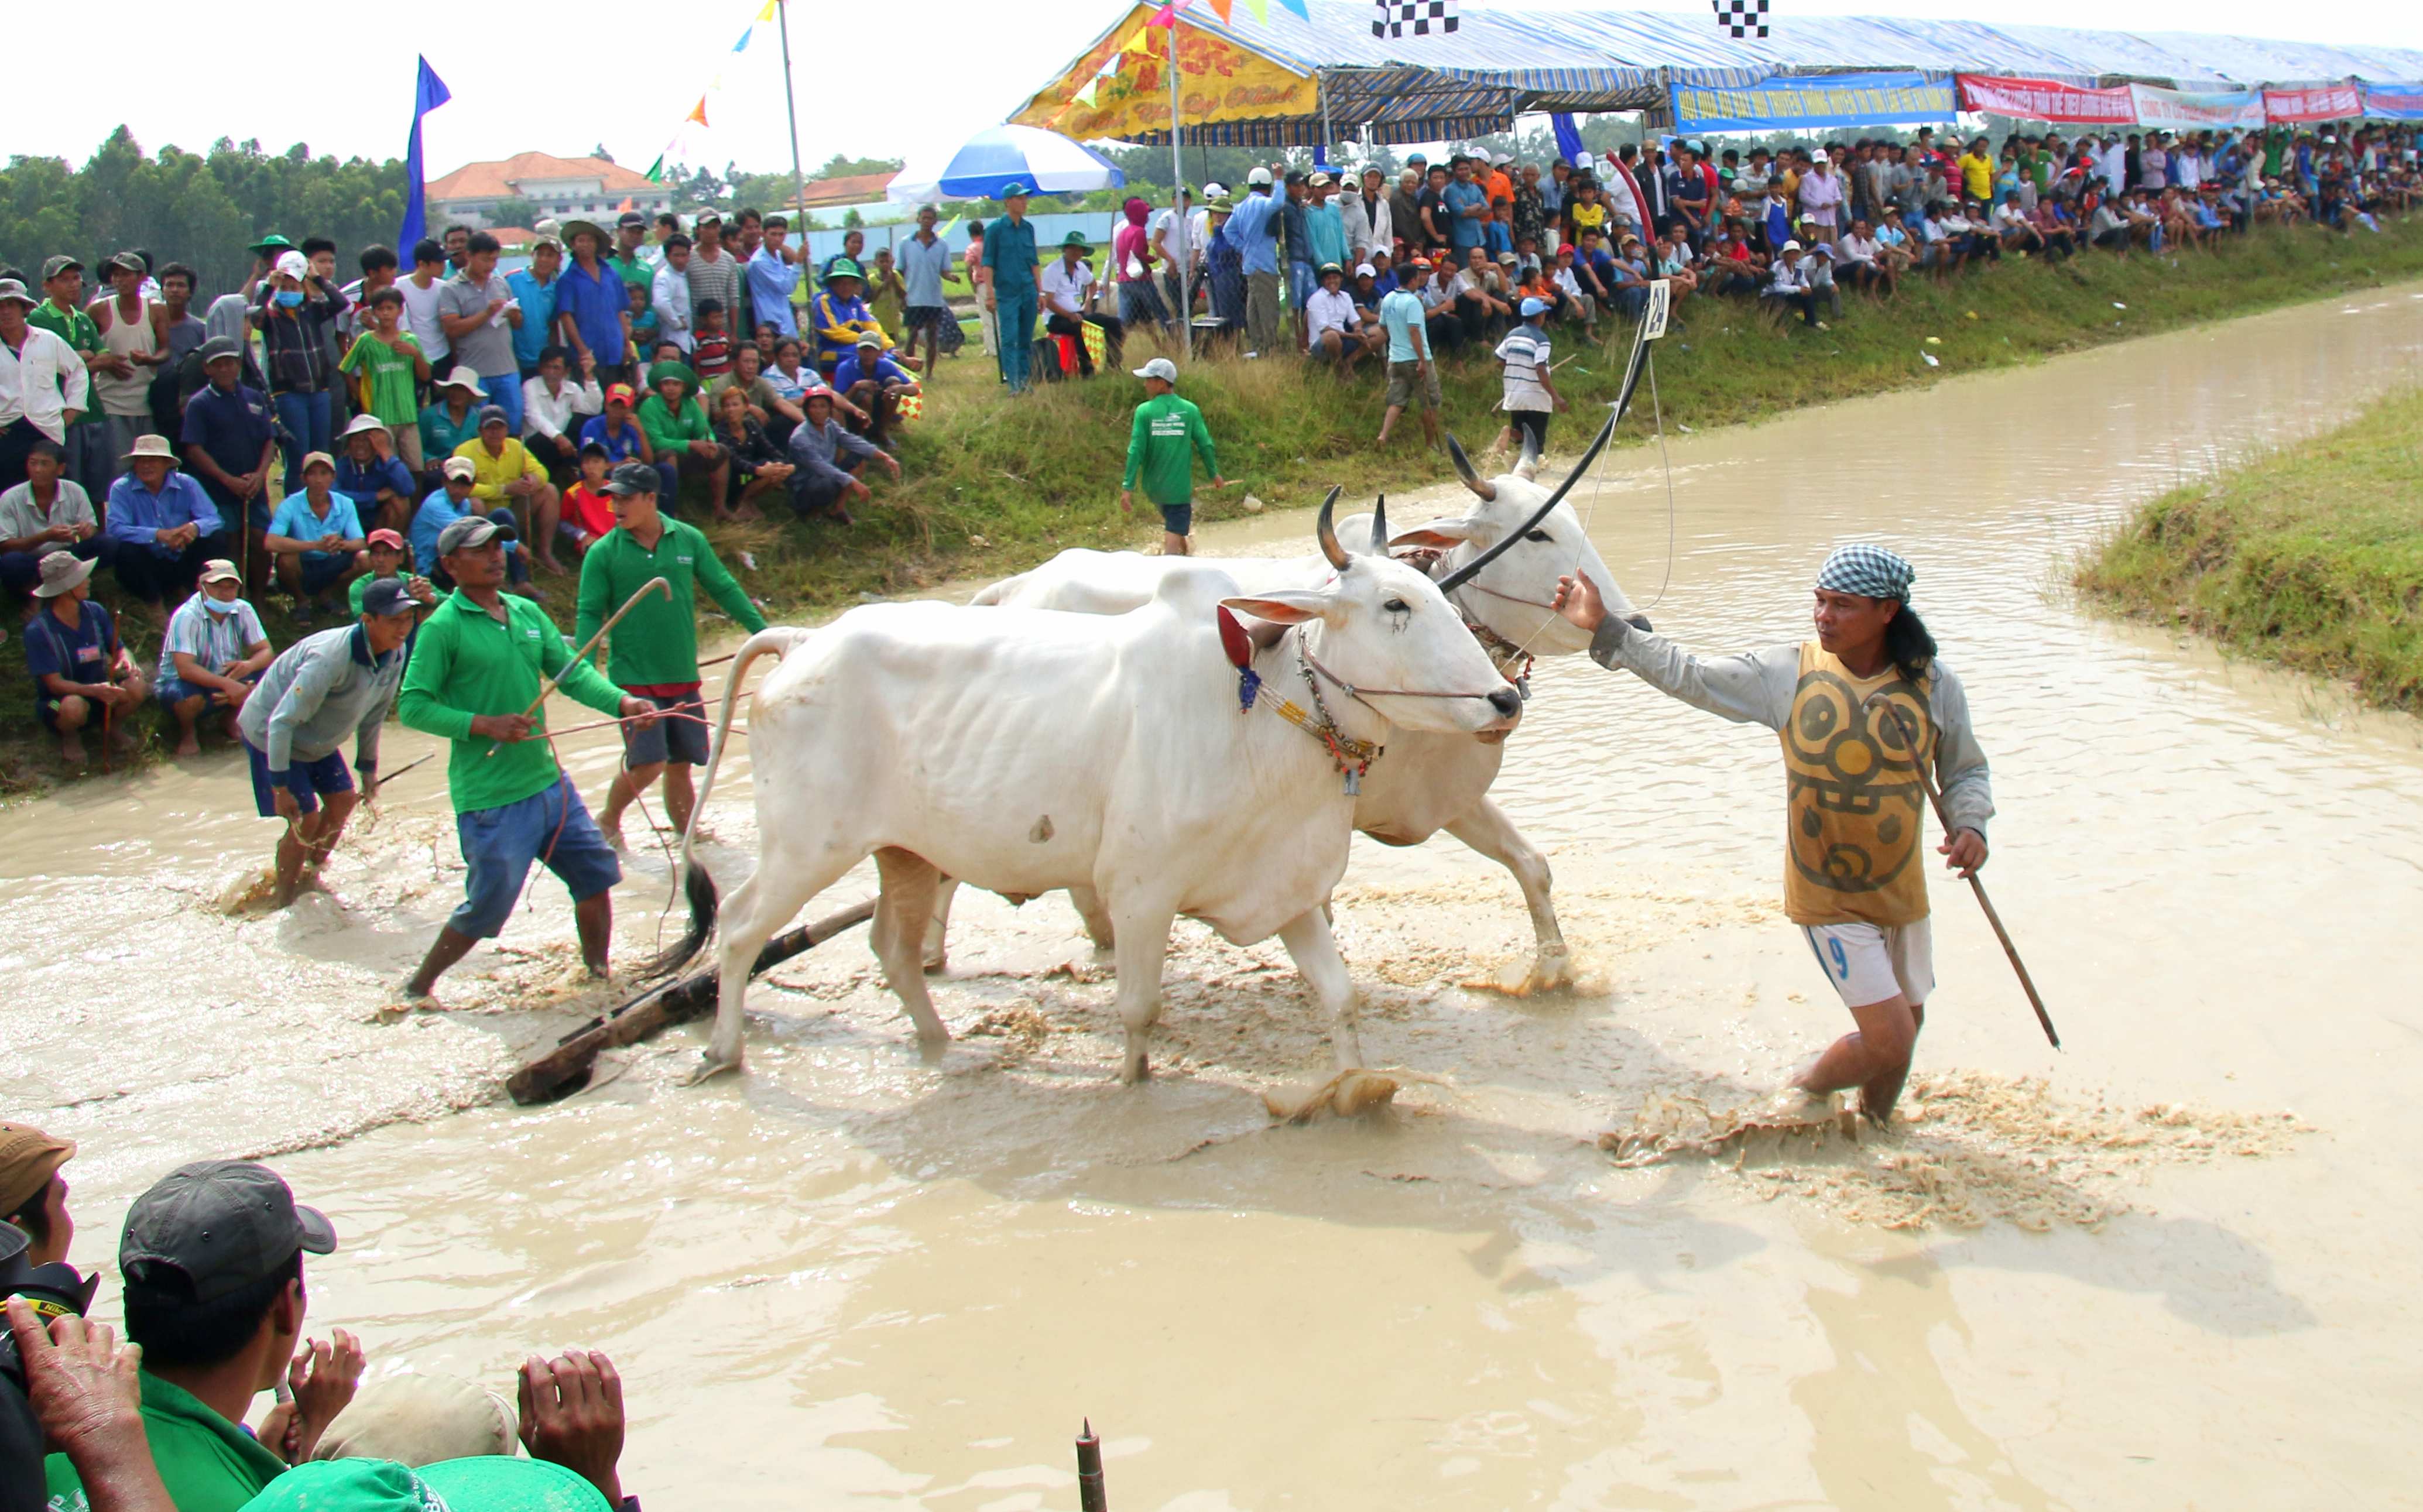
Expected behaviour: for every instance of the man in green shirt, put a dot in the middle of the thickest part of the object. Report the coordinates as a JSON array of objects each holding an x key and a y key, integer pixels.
[
  {"x": 212, "y": 1259},
  {"x": 653, "y": 649},
  {"x": 1015, "y": 272},
  {"x": 477, "y": 664},
  {"x": 1168, "y": 434},
  {"x": 89, "y": 460},
  {"x": 677, "y": 430}
]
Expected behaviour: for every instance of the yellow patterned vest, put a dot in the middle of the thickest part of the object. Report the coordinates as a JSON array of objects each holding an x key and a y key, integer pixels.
[{"x": 1852, "y": 798}]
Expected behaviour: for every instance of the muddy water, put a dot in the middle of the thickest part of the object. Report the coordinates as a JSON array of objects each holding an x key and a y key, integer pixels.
[{"x": 857, "y": 1278}]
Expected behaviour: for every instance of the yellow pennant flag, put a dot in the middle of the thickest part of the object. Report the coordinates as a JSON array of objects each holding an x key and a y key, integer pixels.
[
  {"x": 1137, "y": 43},
  {"x": 768, "y": 14},
  {"x": 1261, "y": 9}
]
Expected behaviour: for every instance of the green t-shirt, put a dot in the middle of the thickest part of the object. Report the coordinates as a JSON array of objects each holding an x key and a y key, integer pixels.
[
  {"x": 668, "y": 432},
  {"x": 393, "y": 399},
  {"x": 465, "y": 663},
  {"x": 207, "y": 1463},
  {"x": 362, "y": 585},
  {"x": 1167, "y": 434},
  {"x": 78, "y": 330},
  {"x": 656, "y": 645}
]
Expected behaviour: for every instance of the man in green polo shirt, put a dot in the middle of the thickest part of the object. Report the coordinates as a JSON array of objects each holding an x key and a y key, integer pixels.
[
  {"x": 213, "y": 1258},
  {"x": 653, "y": 651},
  {"x": 476, "y": 665},
  {"x": 89, "y": 458}
]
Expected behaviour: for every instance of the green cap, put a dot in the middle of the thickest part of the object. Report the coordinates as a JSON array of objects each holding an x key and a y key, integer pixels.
[
  {"x": 272, "y": 243},
  {"x": 487, "y": 1483},
  {"x": 1015, "y": 190},
  {"x": 1076, "y": 239},
  {"x": 663, "y": 370},
  {"x": 844, "y": 268}
]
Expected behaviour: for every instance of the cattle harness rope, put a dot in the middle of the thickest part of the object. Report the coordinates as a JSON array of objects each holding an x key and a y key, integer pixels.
[{"x": 1504, "y": 655}]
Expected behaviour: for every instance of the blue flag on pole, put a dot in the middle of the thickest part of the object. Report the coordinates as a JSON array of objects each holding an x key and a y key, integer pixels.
[
  {"x": 430, "y": 94},
  {"x": 1569, "y": 139}
]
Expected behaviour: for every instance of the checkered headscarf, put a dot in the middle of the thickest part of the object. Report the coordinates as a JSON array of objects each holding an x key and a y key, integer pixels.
[{"x": 1871, "y": 571}]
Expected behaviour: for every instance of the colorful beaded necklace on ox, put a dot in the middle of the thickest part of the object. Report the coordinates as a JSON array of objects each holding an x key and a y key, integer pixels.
[{"x": 1350, "y": 756}]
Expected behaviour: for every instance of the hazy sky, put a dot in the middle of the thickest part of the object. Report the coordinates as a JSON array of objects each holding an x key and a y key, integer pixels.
[{"x": 904, "y": 82}]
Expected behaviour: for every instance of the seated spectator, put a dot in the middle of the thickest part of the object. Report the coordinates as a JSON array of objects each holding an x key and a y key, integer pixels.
[
  {"x": 212, "y": 652},
  {"x": 165, "y": 527},
  {"x": 553, "y": 409},
  {"x": 1675, "y": 262},
  {"x": 321, "y": 691},
  {"x": 81, "y": 670},
  {"x": 1442, "y": 326},
  {"x": 213, "y": 1261},
  {"x": 2012, "y": 228},
  {"x": 875, "y": 385},
  {"x": 386, "y": 561},
  {"x": 506, "y": 474},
  {"x": 1734, "y": 266},
  {"x": 1788, "y": 286},
  {"x": 1628, "y": 272},
  {"x": 45, "y": 514},
  {"x": 677, "y": 427},
  {"x": 1479, "y": 293},
  {"x": 453, "y": 415},
  {"x": 1070, "y": 297},
  {"x": 758, "y": 465},
  {"x": 1575, "y": 307},
  {"x": 449, "y": 503},
  {"x": 839, "y": 315},
  {"x": 1818, "y": 265},
  {"x": 1364, "y": 290},
  {"x": 588, "y": 511},
  {"x": 1336, "y": 328},
  {"x": 33, "y": 1194},
  {"x": 373, "y": 476},
  {"x": 315, "y": 538},
  {"x": 1856, "y": 255},
  {"x": 618, "y": 431},
  {"x": 388, "y": 365},
  {"x": 767, "y": 405},
  {"x": 826, "y": 459}
]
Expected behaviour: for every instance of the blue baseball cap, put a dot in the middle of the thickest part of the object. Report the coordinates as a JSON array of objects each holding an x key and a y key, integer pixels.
[{"x": 1534, "y": 306}]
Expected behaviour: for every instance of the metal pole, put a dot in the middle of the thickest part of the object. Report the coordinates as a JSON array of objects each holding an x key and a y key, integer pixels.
[
  {"x": 1186, "y": 311},
  {"x": 799, "y": 184}
]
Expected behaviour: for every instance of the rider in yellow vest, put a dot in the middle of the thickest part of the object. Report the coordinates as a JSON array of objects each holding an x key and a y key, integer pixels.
[{"x": 1856, "y": 709}]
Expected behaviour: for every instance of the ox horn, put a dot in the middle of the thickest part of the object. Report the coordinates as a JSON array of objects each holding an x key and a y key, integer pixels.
[
  {"x": 1463, "y": 469},
  {"x": 1380, "y": 526},
  {"x": 1528, "y": 467},
  {"x": 1464, "y": 575},
  {"x": 1326, "y": 532}
]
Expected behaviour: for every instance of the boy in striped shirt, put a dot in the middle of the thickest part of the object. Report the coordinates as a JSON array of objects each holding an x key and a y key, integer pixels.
[{"x": 1531, "y": 394}]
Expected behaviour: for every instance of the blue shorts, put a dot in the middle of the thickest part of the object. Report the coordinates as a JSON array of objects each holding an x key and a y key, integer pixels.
[
  {"x": 321, "y": 569},
  {"x": 174, "y": 690},
  {"x": 499, "y": 843},
  {"x": 1177, "y": 519},
  {"x": 306, "y": 781}
]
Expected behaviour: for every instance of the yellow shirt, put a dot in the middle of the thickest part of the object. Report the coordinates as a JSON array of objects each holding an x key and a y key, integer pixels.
[
  {"x": 495, "y": 472},
  {"x": 1978, "y": 173},
  {"x": 1852, "y": 799}
]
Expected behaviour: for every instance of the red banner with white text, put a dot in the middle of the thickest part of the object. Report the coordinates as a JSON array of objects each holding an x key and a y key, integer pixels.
[
  {"x": 2044, "y": 100},
  {"x": 2337, "y": 102}
]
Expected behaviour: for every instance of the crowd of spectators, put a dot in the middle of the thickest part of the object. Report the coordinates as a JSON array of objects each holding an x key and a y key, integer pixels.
[{"x": 219, "y": 1400}]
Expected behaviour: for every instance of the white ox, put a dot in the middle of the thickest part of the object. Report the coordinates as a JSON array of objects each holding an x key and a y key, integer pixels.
[
  {"x": 1428, "y": 780},
  {"x": 1026, "y": 750}
]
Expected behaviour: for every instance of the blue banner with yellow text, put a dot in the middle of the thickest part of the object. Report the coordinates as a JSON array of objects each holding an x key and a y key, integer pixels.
[{"x": 1777, "y": 104}]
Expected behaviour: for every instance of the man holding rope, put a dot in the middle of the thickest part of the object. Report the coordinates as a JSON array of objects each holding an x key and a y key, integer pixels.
[
  {"x": 479, "y": 676},
  {"x": 322, "y": 689},
  {"x": 654, "y": 650},
  {"x": 1858, "y": 709}
]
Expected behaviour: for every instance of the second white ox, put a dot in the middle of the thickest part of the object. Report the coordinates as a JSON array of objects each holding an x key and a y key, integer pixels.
[
  {"x": 1428, "y": 780},
  {"x": 1028, "y": 751}
]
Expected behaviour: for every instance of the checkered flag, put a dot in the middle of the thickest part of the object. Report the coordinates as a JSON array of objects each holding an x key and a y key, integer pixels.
[
  {"x": 1743, "y": 17},
  {"x": 1423, "y": 18}
]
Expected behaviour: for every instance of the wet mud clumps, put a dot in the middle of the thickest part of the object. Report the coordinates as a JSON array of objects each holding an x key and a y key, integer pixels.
[{"x": 1965, "y": 1149}]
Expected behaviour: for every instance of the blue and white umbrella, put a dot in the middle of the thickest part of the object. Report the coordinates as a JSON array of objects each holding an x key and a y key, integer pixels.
[{"x": 988, "y": 163}]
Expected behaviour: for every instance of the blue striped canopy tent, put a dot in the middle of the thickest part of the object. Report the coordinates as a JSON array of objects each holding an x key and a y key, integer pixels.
[{"x": 1499, "y": 63}]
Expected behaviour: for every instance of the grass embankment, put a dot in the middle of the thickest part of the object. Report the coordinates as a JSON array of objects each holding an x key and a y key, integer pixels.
[
  {"x": 2310, "y": 557},
  {"x": 997, "y": 483}
]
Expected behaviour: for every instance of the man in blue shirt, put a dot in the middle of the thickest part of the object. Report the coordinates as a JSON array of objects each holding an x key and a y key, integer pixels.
[
  {"x": 534, "y": 287},
  {"x": 1413, "y": 377},
  {"x": 773, "y": 272},
  {"x": 1467, "y": 210},
  {"x": 377, "y": 482},
  {"x": 876, "y": 384},
  {"x": 1010, "y": 257},
  {"x": 316, "y": 539},
  {"x": 165, "y": 525},
  {"x": 229, "y": 442},
  {"x": 1300, "y": 281},
  {"x": 1254, "y": 229},
  {"x": 79, "y": 667},
  {"x": 451, "y": 503},
  {"x": 593, "y": 307}
]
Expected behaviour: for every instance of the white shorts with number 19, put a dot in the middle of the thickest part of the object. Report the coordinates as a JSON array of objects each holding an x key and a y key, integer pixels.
[{"x": 1868, "y": 962}]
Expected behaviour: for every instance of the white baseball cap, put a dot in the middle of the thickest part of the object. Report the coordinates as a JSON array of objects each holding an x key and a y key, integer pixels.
[
  {"x": 1365, "y": 270},
  {"x": 1258, "y": 177},
  {"x": 293, "y": 266},
  {"x": 1788, "y": 247},
  {"x": 1161, "y": 367}
]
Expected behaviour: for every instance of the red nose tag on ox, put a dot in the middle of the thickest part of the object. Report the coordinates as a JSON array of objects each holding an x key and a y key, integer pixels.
[{"x": 1234, "y": 641}]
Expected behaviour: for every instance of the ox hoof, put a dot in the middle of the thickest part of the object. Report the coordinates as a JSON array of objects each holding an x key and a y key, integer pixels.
[
  {"x": 1135, "y": 1069},
  {"x": 936, "y": 964},
  {"x": 709, "y": 1068}
]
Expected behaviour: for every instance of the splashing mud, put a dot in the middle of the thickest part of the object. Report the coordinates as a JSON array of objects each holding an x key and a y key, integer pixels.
[{"x": 1966, "y": 1148}]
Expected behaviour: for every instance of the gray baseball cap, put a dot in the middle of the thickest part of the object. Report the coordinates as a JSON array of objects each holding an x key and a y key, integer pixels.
[
  {"x": 385, "y": 597},
  {"x": 631, "y": 477},
  {"x": 471, "y": 530},
  {"x": 223, "y": 1224}
]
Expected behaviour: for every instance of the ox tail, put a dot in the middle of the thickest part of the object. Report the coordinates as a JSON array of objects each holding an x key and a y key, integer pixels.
[
  {"x": 698, "y": 884},
  {"x": 993, "y": 593}
]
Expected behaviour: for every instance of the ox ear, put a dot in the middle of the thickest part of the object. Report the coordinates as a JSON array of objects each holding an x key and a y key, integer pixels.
[
  {"x": 1452, "y": 531},
  {"x": 1287, "y": 606}
]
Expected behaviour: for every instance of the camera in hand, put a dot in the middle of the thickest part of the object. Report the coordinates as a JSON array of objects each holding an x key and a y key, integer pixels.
[{"x": 54, "y": 1290}]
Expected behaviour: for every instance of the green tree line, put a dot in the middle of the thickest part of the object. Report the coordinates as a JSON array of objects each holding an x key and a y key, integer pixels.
[{"x": 204, "y": 209}]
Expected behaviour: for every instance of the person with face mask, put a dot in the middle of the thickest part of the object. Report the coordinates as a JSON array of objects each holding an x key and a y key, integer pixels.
[
  {"x": 210, "y": 654},
  {"x": 294, "y": 310}
]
